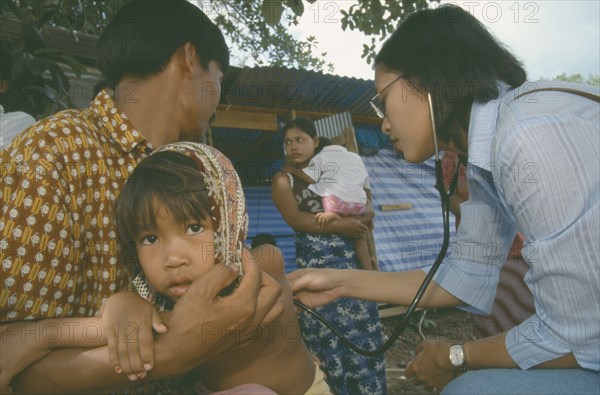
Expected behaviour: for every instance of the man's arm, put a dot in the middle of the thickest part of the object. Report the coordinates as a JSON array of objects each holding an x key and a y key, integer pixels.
[{"x": 200, "y": 327}]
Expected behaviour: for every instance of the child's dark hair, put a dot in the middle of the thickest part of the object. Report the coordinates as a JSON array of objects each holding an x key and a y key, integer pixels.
[
  {"x": 168, "y": 177},
  {"x": 449, "y": 53},
  {"x": 144, "y": 35}
]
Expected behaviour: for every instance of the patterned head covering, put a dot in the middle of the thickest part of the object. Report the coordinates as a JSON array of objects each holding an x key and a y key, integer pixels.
[{"x": 227, "y": 206}]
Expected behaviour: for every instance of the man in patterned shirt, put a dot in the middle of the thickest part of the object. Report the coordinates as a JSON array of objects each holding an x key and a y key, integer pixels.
[{"x": 60, "y": 179}]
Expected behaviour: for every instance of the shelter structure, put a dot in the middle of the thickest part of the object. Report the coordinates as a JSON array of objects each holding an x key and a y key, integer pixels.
[{"x": 255, "y": 102}]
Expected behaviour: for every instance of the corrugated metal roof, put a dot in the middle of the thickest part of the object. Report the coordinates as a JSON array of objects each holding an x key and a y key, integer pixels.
[{"x": 301, "y": 90}]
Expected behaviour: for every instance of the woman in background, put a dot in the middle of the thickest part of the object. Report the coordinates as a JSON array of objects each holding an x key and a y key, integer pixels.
[{"x": 331, "y": 246}]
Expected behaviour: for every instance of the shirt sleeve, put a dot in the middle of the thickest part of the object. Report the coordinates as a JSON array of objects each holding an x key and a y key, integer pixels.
[
  {"x": 550, "y": 179},
  {"x": 366, "y": 183},
  {"x": 35, "y": 237},
  {"x": 313, "y": 170},
  {"x": 472, "y": 266}
]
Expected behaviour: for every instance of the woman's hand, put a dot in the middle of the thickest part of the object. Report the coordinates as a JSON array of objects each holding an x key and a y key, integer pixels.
[
  {"x": 316, "y": 287},
  {"x": 324, "y": 218},
  {"x": 128, "y": 321},
  {"x": 431, "y": 366},
  {"x": 349, "y": 227}
]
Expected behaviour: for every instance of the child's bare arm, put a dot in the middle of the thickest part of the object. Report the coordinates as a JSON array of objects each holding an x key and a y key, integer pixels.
[
  {"x": 324, "y": 218},
  {"x": 270, "y": 259}
]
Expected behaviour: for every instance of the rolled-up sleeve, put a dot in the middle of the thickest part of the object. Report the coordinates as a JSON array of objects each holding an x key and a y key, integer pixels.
[
  {"x": 554, "y": 193},
  {"x": 472, "y": 267}
]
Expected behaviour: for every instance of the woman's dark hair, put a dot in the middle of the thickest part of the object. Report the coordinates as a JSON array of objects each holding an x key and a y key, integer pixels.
[
  {"x": 450, "y": 54},
  {"x": 304, "y": 124},
  {"x": 170, "y": 178},
  {"x": 308, "y": 127},
  {"x": 144, "y": 35}
]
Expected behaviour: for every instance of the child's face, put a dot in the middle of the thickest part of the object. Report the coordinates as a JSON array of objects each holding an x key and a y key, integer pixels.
[{"x": 175, "y": 254}]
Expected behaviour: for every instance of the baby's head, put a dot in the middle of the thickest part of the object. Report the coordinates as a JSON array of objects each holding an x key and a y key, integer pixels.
[{"x": 180, "y": 211}]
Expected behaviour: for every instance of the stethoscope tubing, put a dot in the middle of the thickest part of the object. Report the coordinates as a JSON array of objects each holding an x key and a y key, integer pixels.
[{"x": 445, "y": 201}]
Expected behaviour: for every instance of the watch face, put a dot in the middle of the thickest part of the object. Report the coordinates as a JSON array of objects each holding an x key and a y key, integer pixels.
[{"x": 456, "y": 355}]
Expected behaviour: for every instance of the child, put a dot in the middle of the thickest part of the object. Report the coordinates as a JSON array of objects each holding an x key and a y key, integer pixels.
[
  {"x": 340, "y": 178},
  {"x": 180, "y": 211}
]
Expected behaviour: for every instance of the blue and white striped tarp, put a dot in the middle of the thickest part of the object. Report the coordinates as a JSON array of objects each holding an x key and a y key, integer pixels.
[
  {"x": 265, "y": 218},
  {"x": 404, "y": 240}
]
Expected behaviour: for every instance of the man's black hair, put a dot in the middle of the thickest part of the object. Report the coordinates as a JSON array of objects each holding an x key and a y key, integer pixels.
[{"x": 144, "y": 35}]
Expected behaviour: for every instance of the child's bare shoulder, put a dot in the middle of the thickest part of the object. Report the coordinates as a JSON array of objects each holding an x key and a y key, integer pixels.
[{"x": 270, "y": 259}]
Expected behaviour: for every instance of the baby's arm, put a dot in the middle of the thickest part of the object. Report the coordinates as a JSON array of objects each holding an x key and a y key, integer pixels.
[
  {"x": 296, "y": 171},
  {"x": 324, "y": 218}
]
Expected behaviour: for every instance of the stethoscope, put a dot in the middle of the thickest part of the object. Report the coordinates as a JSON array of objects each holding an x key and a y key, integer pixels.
[{"x": 445, "y": 200}]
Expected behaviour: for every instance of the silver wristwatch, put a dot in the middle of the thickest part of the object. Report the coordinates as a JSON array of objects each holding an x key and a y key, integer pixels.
[{"x": 457, "y": 357}]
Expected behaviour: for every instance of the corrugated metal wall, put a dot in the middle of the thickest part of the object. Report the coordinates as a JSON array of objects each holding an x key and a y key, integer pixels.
[{"x": 405, "y": 240}]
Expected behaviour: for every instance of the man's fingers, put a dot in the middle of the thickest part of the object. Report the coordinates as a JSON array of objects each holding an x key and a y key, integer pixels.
[
  {"x": 268, "y": 308},
  {"x": 214, "y": 281},
  {"x": 252, "y": 278}
]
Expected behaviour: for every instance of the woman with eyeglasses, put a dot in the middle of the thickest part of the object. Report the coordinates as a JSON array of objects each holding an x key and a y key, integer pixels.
[
  {"x": 329, "y": 245},
  {"x": 532, "y": 155}
]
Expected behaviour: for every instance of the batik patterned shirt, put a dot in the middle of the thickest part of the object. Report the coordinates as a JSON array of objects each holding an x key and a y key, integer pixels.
[{"x": 60, "y": 180}]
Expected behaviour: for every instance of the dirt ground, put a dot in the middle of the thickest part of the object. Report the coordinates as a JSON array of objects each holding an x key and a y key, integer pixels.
[{"x": 443, "y": 324}]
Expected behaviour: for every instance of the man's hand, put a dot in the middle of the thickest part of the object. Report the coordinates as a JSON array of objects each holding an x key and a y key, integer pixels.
[
  {"x": 128, "y": 321},
  {"x": 204, "y": 324}
]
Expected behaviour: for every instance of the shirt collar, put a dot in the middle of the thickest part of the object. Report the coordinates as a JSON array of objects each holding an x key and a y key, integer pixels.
[
  {"x": 115, "y": 125},
  {"x": 482, "y": 127},
  {"x": 334, "y": 148}
]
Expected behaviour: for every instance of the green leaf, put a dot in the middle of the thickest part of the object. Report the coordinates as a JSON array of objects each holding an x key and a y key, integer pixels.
[
  {"x": 31, "y": 37},
  {"x": 37, "y": 66},
  {"x": 297, "y": 7}
]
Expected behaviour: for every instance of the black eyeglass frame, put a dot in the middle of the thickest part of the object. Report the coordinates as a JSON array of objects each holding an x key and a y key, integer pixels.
[{"x": 381, "y": 113}]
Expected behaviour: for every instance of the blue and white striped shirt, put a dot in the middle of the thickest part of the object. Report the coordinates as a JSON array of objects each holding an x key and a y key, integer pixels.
[{"x": 534, "y": 167}]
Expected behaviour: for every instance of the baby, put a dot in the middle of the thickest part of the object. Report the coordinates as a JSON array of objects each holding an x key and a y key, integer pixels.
[
  {"x": 340, "y": 178},
  {"x": 181, "y": 211}
]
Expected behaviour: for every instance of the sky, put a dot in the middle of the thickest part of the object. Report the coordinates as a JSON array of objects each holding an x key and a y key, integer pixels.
[{"x": 549, "y": 36}]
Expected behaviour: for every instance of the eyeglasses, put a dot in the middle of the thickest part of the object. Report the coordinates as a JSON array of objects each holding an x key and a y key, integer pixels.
[{"x": 377, "y": 106}]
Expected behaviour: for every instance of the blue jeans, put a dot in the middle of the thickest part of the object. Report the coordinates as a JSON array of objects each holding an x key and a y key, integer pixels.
[{"x": 533, "y": 381}]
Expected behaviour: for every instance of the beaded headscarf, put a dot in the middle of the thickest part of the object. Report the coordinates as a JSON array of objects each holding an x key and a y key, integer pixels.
[{"x": 227, "y": 209}]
